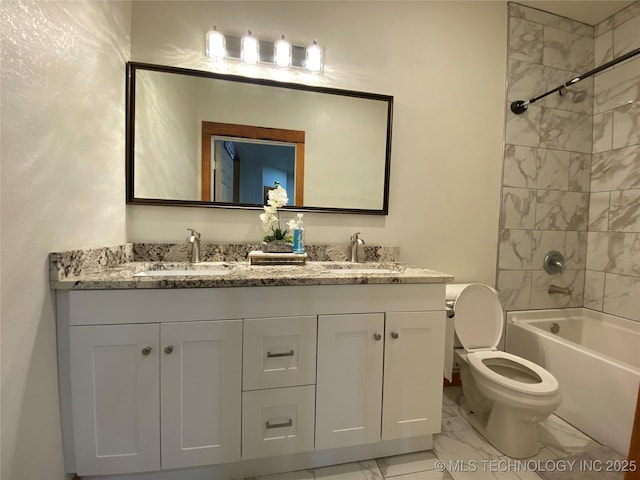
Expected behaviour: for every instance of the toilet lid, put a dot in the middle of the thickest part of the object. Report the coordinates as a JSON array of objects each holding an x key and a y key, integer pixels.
[{"x": 478, "y": 317}]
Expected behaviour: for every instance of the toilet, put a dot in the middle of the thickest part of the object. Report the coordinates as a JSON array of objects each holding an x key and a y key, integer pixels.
[{"x": 504, "y": 396}]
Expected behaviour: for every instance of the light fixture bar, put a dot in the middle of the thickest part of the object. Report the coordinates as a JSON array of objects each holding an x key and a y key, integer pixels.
[{"x": 266, "y": 51}]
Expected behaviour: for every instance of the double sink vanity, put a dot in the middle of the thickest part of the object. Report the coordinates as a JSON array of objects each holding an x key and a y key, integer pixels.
[{"x": 224, "y": 369}]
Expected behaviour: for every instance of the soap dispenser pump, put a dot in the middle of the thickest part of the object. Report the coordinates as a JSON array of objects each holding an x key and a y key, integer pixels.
[{"x": 298, "y": 236}]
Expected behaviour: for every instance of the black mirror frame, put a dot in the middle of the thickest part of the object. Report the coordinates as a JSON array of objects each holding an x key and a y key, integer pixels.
[{"x": 131, "y": 69}]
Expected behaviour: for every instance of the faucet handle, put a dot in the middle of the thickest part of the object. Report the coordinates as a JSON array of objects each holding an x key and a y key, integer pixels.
[
  {"x": 553, "y": 263},
  {"x": 356, "y": 238},
  {"x": 194, "y": 233}
]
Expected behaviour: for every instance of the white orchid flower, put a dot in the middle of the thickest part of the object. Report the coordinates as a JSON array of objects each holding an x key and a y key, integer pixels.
[
  {"x": 278, "y": 197},
  {"x": 269, "y": 217},
  {"x": 291, "y": 224}
]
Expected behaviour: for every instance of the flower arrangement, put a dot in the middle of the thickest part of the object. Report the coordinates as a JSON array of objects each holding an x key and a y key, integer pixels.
[{"x": 271, "y": 216}]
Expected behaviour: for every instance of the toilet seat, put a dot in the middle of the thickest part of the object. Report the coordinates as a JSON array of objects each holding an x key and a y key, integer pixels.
[{"x": 546, "y": 386}]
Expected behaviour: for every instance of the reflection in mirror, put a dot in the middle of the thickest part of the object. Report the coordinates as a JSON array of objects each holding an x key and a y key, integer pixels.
[
  {"x": 190, "y": 133},
  {"x": 240, "y": 161},
  {"x": 240, "y": 169}
]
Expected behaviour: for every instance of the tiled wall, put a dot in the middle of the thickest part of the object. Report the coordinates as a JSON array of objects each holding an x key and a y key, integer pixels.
[
  {"x": 612, "y": 280},
  {"x": 547, "y": 158},
  {"x": 556, "y": 195}
]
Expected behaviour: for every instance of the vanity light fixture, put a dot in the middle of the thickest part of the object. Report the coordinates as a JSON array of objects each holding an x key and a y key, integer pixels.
[
  {"x": 216, "y": 45},
  {"x": 282, "y": 53},
  {"x": 314, "y": 57},
  {"x": 250, "y": 49},
  {"x": 247, "y": 49}
]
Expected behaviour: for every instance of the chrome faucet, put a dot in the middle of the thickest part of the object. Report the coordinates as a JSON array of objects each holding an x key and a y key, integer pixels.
[
  {"x": 194, "y": 240},
  {"x": 556, "y": 289},
  {"x": 356, "y": 241}
]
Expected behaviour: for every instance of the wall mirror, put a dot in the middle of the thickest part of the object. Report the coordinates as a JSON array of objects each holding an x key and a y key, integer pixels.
[{"x": 198, "y": 138}]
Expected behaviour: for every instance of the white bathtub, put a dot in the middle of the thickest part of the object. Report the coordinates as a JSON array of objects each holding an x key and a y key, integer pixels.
[{"x": 596, "y": 359}]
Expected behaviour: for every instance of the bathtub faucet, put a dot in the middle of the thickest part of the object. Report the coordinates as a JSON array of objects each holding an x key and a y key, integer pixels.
[{"x": 556, "y": 289}]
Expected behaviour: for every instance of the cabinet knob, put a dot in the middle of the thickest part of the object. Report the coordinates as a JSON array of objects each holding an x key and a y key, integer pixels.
[
  {"x": 146, "y": 351},
  {"x": 394, "y": 335},
  {"x": 168, "y": 349},
  {"x": 377, "y": 336}
]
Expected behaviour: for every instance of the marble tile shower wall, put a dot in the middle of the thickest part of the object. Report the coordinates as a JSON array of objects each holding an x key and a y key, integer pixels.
[
  {"x": 567, "y": 170},
  {"x": 612, "y": 278},
  {"x": 547, "y": 160}
]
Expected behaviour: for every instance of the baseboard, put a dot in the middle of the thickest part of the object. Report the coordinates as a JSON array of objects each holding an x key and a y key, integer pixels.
[{"x": 284, "y": 463}]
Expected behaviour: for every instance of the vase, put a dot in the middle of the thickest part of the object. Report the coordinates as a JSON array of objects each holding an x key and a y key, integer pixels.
[{"x": 277, "y": 246}]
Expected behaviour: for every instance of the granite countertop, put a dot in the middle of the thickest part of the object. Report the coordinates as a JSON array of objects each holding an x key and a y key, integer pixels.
[{"x": 114, "y": 268}]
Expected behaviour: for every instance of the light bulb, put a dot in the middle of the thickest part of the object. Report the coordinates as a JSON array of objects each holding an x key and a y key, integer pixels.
[
  {"x": 216, "y": 46},
  {"x": 250, "y": 49},
  {"x": 282, "y": 53},
  {"x": 314, "y": 57}
]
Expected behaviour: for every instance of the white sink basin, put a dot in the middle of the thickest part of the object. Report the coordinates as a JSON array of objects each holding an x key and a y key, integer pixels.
[
  {"x": 182, "y": 273},
  {"x": 362, "y": 271}
]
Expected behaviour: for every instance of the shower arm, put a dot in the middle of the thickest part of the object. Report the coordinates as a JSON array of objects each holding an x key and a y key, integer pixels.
[{"x": 520, "y": 106}]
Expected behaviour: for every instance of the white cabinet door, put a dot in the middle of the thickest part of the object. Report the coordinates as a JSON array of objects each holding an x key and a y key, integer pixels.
[
  {"x": 201, "y": 392},
  {"x": 115, "y": 398},
  {"x": 349, "y": 379},
  {"x": 414, "y": 349}
]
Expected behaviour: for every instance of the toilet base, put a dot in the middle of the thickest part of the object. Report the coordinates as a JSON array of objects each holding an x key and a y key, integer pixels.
[
  {"x": 509, "y": 434},
  {"x": 504, "y": 431}
]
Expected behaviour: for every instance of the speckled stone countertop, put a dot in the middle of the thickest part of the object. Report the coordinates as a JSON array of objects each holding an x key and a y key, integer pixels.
[{"x": 226, "y": 266}]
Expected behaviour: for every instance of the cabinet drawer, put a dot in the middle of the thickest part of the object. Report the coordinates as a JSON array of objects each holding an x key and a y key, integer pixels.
[
  {"x": 278, "y": 421},
  {"x": 279, "y": 352}
]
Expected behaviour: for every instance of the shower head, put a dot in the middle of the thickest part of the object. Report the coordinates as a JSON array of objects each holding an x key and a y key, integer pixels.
[{"x": 577, "y": 96}]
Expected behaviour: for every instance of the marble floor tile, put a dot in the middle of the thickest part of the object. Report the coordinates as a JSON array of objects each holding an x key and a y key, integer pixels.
[
  {"x": 409, "y": 463},
  {"x": 525, "y": 469},
  {"x": 543, "y": 455},
  {"x": 367, "y": 470},
  {"x": 448, "y": 411},
  {"x": 298, "y": 475},
  {"x": 458, "y": 441},
  {"x": 563, "y": 439},
  {"x": 425, "y": 475},
  {"x": 451, "y": 397}
]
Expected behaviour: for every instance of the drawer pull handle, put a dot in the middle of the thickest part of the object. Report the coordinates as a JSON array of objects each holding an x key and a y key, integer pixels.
[
  {"x": 394, "y": 335},
  {"x": 288, "y": 423},
  {"x": 377, "y": 337},
  {"x": 168, "y": 349},
  {"x": 285, "y": 354},
  {"x": 146, "y": 351}
]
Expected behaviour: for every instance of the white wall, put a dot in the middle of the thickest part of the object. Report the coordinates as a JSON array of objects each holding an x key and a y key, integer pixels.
[
  {"x": 62, "y": 180},
  {"x": 444, "y": 62}
]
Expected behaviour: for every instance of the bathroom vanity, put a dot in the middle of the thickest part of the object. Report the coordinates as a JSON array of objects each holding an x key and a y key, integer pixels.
[{"x": 250, "y": 370}]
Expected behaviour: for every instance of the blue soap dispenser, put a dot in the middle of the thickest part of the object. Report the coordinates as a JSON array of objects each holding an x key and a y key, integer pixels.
[{"x": 298, "y": 236}]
